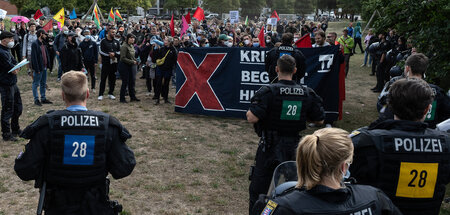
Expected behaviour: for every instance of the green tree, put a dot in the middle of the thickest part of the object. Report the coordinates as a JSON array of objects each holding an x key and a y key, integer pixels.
[
  {"x": 252, "y": 7},
  {"x": 304, "y": 6},
  {"x": 426, "y": 23},
  {"x": 284, "y": 6},
  {"x": 351, "y": 7}
]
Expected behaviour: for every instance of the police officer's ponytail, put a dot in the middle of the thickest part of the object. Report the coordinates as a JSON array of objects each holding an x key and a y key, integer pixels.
[{"x": 320, "y": 155}]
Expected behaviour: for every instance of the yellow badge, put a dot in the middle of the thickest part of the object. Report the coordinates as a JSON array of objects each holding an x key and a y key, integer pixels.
[
  {"x": 417, "y": 180},
  {"x": 354, "y": 133},
  {"x": 270, "y": 208}
]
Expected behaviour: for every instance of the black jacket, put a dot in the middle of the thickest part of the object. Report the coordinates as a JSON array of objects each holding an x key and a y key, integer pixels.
[
  {"x": 90, "y": 51},
  {"x": 37, "y": 60},
  {"x": 171, "y": 58},
  {"x": 273, "y": 55},
  {"x": 7, "y": 62},
  {"x": 71, "y": 58},
  {"x": 353, "y": 199},
  {"x": 107, "y": 46}
]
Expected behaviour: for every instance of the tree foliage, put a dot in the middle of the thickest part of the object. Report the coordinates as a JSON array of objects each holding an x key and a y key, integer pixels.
[
  {"x": 426, "y": 23},
  {"x": 350, "y": 6}
]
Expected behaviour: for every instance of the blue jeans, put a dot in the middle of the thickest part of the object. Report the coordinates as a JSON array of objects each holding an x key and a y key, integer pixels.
[
  {"x": 59, "y": 66},
  {"x": 39, "y": 79},
  {"x": 366, "y": 54}
]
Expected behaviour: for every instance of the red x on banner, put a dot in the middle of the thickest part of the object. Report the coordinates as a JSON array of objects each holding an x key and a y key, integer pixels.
[{"x": 197, "y": 81}]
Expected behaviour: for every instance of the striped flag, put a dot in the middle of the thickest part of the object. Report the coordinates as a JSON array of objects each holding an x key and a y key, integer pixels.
[
  {"x": 95, "y": 17},
  {"x": 111, "y": 16},
  {"x": 118, "y": 16}
]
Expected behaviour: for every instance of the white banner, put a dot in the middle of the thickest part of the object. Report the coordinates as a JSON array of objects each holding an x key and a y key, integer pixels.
[{"x": 234, "y": 16}]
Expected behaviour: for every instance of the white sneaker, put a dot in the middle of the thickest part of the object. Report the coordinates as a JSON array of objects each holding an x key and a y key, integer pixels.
[
  {"x": 111, "y": 97},
  {"x": 328, "y": 126},
  {"x": 312, "y": 125},
  {"x": 100, "y": 98},
  {"x": 148, "y": 94},
  {"x": 93, "y": 90}
]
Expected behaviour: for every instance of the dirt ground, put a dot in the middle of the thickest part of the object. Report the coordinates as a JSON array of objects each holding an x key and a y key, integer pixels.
[{"x": 186, "y": 164}]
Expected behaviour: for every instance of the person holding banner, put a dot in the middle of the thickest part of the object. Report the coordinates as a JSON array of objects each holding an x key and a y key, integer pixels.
[
  {"x": 279, "y": 112},
  {"x": 11, "y": 100},
  {"x": 285, "y": 48}
]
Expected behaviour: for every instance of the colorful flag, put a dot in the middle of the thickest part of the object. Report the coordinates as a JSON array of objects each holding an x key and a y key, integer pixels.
[
  {"x": 188, "y": 17},
  {"x": 199, "y": 14},
  {"x": 73, "y": 15},
  {"x": 172, "y": 27},
  {"x": 95, "y": 17},
  {"x": 48, "y": 26},
  {"x": 111, "y": 16},
  {"x": 275, "y": 15},
  {"x": 304, "y": 42},
  {"x": 184, "y": 26},
  {"x": 38, "y": 14},
  {"x": 59, "y": 17},
  {"x": 118, "y": 16},
  {"x": 246, "y": 20},
  {"x": 262, "y": 41}
]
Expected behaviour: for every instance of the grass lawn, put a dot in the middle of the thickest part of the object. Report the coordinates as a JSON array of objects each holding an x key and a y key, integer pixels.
[{"x": 186, "y": 164}]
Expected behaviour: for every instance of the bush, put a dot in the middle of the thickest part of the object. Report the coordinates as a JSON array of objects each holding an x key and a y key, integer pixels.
[{"x": 426, "y": 22}]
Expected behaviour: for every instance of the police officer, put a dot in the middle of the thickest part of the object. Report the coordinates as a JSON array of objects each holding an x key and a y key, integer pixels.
[
  {"x": 285, "y": 48},
  {"x": 323, "y": 158},
  {"x": 279, "y": 112},
  {"x": 415, "y": 67},
  {"x": 71, "y": 152},
  {"x": 401, "y": 156},
  {"x": 11, "y": 100}
]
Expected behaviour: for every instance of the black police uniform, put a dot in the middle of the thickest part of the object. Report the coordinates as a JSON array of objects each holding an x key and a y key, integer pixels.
[
  {"x": 350, "y": 200},
  {"x": 11, "y": 100},
  {"x": 282, "y": 110},
  {"x": 285, "y": 49},
  {"x": 405, "y": 159},
  {"x": 439, "y": 112},
  {"x": 73, "y": 151}
]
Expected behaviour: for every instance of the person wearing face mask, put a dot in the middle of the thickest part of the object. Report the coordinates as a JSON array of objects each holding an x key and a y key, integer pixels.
[
  {"x": 10, "y": 94},
  {"x": 415, "y": 67},
  {"x": 323, "y": 158},
  {"x": 164, "y": 71},
  {"x": 269, "y": 43},
  {"x": 89, "y": 49},
  {"x": 16, "y": 50},
  {"x": 138, "y": 33},
  {"x": 58, "y": 44},
  {"x": 40, "y": 62},
  {"x": 27, "y": 41},
  {"x": 246, "y": 41},
  {"x": 402, "y": 156},
  {"x": 71, "y": 57}
]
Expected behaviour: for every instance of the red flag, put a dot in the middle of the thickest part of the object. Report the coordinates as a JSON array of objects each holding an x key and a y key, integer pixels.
[
  {"x": 275, "y": 15},
  {"x": 199, "y": 14},
  {"x": 304, "y": 42},
  {"x": 188, "y": 17},
  {"x": 37, "y": 14},
  {"x": 47, "y": 27},
  {"x": 262, "y": 42},
  {"x": 172, "y": 27}
]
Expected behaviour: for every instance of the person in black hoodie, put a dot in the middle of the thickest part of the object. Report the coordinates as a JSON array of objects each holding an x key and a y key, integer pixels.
[
  {"x": 164, "y": 71},
  {"x": 89, "y": 49},
  {"x": 71, "y": 58}
]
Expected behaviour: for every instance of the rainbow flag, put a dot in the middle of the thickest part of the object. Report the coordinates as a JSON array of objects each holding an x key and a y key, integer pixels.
[
  {"x": 111, "y": 16},
  {"x": 118, "y": 16},
  {"x": 95, "y": 17}
]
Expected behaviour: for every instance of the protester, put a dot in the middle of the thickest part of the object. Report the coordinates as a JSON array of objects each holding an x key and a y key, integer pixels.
[
  {"x": 71, "y": 56},
  {"x": 320, "y": 40},
  {"x": 347, "y": 44},
  {"x": 366, "y": 52},
  {"x": 110, "y": 52},
  {"x": 90, "y": 56},
  {"x": 168, "y": 55},
  {"x": 40, "y": 61},
  {"x": 58, "y": 44},
  {"x": 127, "y": 68},
  {"x": 28, "y": 39},
  {"x": 11, "y": 100}
]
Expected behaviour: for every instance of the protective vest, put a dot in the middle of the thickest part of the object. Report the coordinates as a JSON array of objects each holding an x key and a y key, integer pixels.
[
  {"x": 279, "y": 51},
  {"x": 351, "y": 200},
  {"x": 287, "y": 110},
  {"x": 77, "y": 149},
  {"x": 412, "y": 168}
]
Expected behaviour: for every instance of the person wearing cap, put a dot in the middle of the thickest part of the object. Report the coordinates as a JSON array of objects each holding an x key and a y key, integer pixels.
[
  {"x": 40, "y": 61},
  {"x": 347, "y": 44},
  {"x": 10, "y": 94},
  {"x": 71, "y": 58},
  {"x": 223, "y": 41},
  {"x": 41, "y": 22},
  {"x": 89, "y": 49},
  {"x": 58, "y": 44}
]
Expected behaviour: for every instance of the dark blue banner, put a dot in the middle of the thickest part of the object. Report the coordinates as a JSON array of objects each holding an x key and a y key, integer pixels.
[{"x": 221, "y": 81}]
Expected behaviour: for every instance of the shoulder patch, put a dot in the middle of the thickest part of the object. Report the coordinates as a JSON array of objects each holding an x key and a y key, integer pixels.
[
  {"x": 270, "y": 208},
  {"x": 354, "y": 133}
]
